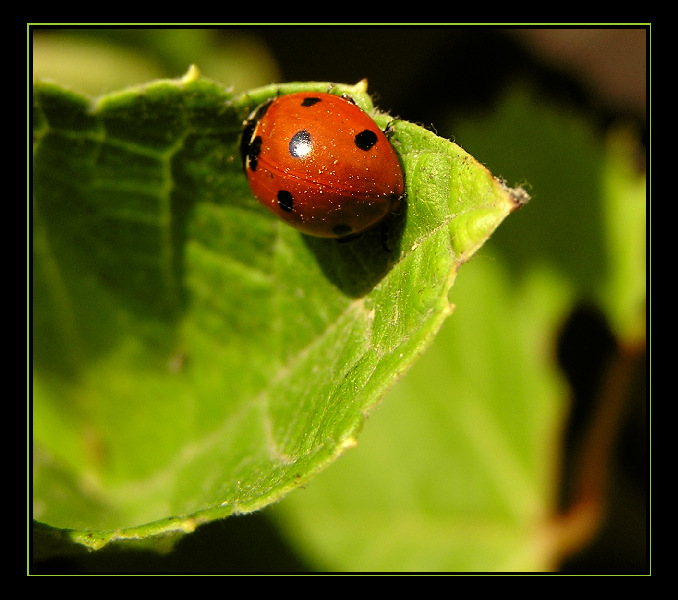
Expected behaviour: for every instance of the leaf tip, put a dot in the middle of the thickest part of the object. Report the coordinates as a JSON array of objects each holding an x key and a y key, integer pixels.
[{"x": 517, "y": 195}]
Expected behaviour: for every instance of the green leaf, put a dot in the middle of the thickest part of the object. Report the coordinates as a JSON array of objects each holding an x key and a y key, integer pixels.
[
  {"x": 192, "y": 356},
  {"x": 624, "y": 290}
]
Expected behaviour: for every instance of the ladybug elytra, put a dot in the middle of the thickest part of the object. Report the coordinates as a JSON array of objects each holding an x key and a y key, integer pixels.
[{"x": 321, "y": 164}]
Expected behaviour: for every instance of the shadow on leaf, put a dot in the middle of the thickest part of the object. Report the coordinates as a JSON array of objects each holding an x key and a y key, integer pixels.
[{"x": 355, "y": 266}]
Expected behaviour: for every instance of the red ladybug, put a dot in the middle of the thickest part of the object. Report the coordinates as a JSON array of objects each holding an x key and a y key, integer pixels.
[{"x": 321, "y": 164}]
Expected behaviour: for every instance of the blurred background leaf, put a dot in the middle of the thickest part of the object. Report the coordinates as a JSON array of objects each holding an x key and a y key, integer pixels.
[{"x": 555, "y": 298}]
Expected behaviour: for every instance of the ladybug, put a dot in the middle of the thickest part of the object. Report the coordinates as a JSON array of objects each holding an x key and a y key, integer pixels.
[{"x": 321, "y": 164}]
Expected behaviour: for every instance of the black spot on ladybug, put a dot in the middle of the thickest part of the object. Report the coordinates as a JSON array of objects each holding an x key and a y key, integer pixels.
[
  {"x": 246, "y": 149},
  {"x": 253, "y": 151},
  {"x": 250, "y": 146},
  {"x": 285, "y": 200},
  {"x": 310, "y": 101},
  {"x": 342, "y": 230},
  {"x": 300, "y": 144},
  {"x": 366, "y": 139}
]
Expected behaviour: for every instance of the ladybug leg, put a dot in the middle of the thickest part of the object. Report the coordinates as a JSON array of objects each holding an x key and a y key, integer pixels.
[
  {"x": 348, "y": 98},
  {"x": 349, "y": 238},
  {"x": 383, "y": 234},
  {"x": 388, "y": 131}
]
